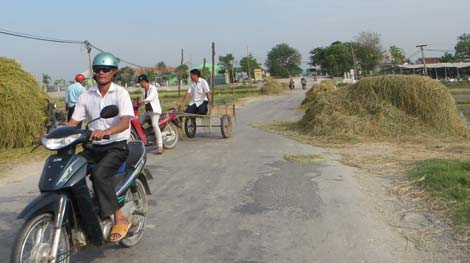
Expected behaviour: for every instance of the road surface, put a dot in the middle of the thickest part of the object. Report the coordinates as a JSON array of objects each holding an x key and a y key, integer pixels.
[{"x": 237, "y": 200}]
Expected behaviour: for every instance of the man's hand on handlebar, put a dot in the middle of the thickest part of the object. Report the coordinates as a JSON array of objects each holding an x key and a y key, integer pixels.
[{"x": 99, "y": 135}]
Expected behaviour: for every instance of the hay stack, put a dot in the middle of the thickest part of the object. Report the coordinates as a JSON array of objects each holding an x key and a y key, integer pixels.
[
  {"x": 23, "y": 106},
  {"x": 273, "y": 87},
  {"x": 317, "y": 90},
  {"x": 387, "y": 106}
]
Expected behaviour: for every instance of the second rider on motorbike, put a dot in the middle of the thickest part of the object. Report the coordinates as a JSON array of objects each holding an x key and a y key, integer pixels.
[{"x": 152, "y": 108}]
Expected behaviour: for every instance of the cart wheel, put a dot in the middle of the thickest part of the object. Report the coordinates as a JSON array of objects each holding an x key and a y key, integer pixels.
[
  {"x": 190, "y": 127},
  {"x": 226, "y": 126}
]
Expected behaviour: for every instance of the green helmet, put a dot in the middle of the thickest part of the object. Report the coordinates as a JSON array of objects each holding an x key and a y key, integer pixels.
[{"x": 105, "y": 59}]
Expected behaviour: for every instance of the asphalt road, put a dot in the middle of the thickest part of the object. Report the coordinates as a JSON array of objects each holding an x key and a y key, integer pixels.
[{"x": 237, "y": 200}]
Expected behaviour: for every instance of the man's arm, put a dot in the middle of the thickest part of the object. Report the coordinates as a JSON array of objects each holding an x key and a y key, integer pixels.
[
  {"x": 209, "y": 97},
  {"x": 121, "y": 126}
]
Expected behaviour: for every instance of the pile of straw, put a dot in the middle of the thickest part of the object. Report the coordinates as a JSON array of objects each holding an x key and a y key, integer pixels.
[
  {"x": 387, "y": 106},
  {"x": 23, "y": 106},
  {"x": 317, "y": 90},
  {"x": 273, "y": 87}
]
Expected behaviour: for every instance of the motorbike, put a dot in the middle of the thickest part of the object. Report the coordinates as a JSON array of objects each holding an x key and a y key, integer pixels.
[
  {"x": 55, "y": 118},
  {"x": 304, "y": 83},
  {"x": 64, "y": 218},
  {"x": 291, "y": 85},
  {"x": 168, "y": 124}
]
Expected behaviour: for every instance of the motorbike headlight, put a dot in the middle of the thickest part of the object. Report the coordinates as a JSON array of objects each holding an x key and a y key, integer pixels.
[{"x": 59, "y": 143}]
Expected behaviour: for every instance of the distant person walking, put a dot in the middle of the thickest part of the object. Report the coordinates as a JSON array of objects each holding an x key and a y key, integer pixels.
[
  {"x": 72, "y": 94},
  {"x": 200, "y": 94}
]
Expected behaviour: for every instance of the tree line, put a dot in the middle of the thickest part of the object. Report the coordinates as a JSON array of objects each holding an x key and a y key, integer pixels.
[{"x": 365, "y": 53}]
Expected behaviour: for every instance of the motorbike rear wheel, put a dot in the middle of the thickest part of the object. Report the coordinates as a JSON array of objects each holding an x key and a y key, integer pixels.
[
  {"x": 170, "y": 136},
  {"x": 139, "y": 197},
  {"x": 34, "y": 241}
]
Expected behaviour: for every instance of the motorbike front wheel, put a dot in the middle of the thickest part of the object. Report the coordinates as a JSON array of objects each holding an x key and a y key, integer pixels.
[
  {"x": 34, "y": 241},
  {"x": 170, "y": 136}
]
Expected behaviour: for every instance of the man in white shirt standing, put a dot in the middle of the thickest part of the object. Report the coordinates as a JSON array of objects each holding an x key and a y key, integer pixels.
[
  {"x": 153, "y": 109},
  {"x": 200, "y": 94},
  {"x": 108, "y": 155}
]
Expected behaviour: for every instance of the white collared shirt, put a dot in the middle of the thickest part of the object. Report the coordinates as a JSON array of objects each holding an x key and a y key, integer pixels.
[
  {"x": 198, "y": 92},
  {"x": 152, "y": 98},
  {"x": 91, "y": 103}
]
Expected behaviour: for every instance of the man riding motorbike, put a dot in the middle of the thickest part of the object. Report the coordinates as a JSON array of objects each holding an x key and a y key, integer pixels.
[
  {"x": 108, "y": 155},
  {"x": 153, "y": 109}
]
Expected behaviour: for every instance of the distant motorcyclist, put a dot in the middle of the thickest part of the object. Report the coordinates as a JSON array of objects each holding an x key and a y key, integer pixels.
[
  {"x": 291, "y": 83},
  {"x": 304, "y": 83}
]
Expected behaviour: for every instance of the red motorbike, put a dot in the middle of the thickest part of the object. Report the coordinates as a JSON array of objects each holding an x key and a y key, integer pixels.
[{"x": 168, "y": 124}]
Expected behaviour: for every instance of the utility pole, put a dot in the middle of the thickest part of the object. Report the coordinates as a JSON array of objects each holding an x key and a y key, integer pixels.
[
  {"x": 180, "y": 73},
  {"x": 213, "y": 66},
  {"x": 248, "y": 62},
  {"x": 88, "y": 48},
  {"x": 424, "y": 59},
  {"x": 354, "y": 61}
]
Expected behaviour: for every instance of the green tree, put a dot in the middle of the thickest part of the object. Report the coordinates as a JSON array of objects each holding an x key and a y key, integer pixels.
[
  {"x": 125, "y": 76},
  {"x": 251, "y": 62},
  {"x": 182, "y": 70},
  {"x": 284, "y": 61},
  {"x": 227, "y": 63},
  {"x": 448, "y": 57},
  {"x": 150, "y": 72},
  {"x": 368, "y": 50},
  {"x": 162, "y": 67},
  {"x": 398, "y": 56},
  {"x": 334, "y": 59},
  {"x": 206, "y": 74},
  {"x": 462, "y": 49},
  {"x": 46, "y": 80}
]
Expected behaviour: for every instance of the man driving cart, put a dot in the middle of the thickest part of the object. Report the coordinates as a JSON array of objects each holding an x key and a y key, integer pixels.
[{"x": 200, "y": 94}]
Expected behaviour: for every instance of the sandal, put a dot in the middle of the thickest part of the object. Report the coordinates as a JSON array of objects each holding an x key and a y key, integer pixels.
[{"x": 120, "y": 230}]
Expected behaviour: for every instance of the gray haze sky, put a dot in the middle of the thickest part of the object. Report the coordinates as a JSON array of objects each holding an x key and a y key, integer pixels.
[{"x": 146, "y": 32}]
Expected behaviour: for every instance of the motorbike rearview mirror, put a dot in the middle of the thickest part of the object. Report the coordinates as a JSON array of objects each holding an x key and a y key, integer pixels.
[
  {"x": 106, "y": 113},
  {"x": 109, "y": 112}
]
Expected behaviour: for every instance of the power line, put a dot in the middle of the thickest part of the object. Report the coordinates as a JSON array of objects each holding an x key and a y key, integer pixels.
[
  {"x": 57, "y": 40},
  {"x": 439, "y": 50},
  {"x": 35, "y": 37},
  {"x": 120, "y": 59}
]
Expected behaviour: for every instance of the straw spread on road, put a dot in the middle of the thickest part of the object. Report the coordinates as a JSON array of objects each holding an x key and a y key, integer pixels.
[
  {"x": 273, "y": 87},
  {"x": 383, "y": 107},
  {"x": 23, "y": 106}
]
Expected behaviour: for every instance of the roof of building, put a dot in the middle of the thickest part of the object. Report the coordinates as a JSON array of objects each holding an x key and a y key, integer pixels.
[{"x": 437, "y": 65}]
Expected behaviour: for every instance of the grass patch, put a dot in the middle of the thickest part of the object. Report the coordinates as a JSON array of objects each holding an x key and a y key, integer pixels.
[
  {"x": 461, "y": 91},
  {"x": 449, "y": 179},
  {"x": 304, "y": 158},
  {"x": 457, "y": 85}
]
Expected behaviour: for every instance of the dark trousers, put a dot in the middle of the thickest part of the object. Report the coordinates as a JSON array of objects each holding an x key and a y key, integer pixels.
[
  {"x": 70, "y": 113},
  {"x": 201, "y": 110},
  {"x": 107, "y": 158}
]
